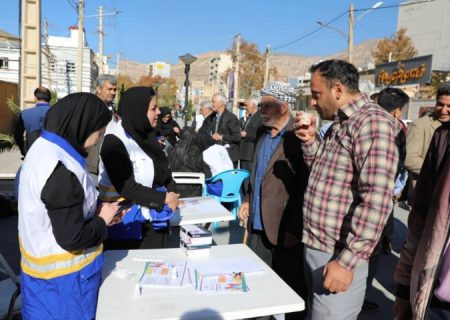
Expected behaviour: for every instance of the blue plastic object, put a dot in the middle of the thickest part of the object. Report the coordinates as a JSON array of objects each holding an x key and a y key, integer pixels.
[
  {"x": 161, "y": 219},
  {"x": 231, "y": 192}
]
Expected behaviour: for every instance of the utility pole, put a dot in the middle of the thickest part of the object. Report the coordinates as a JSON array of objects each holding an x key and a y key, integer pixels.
[
  {"x": 266, "y": 73},
  {"x": 100, "y": 38},
  {"x": 351, "y": 22},
  {"x": 117, "y": 64},
  {"x": 237, "y": 45},
  {"x": 100, "y": 15},
  {"x": 30, "y": 51},
  {"x": 80, "y": 45},
  {"x": 48, "y": 55}
]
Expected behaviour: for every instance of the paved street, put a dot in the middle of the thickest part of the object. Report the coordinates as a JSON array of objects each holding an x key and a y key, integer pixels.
[{"x": 10, "y": 162}]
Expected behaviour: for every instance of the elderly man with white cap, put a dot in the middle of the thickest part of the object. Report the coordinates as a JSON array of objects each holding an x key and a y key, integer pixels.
[{"x": 274, "y": 204}]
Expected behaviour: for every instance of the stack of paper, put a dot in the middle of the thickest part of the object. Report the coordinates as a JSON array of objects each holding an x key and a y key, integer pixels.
[{"x": 194, "y": 239}]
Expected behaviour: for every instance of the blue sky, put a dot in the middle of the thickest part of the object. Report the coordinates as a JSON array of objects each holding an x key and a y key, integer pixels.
[{"x": 151, "y": 30}]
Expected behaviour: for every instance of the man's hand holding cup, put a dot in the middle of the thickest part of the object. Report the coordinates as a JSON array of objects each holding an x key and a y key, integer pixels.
[{"x": 305, "y": 126}]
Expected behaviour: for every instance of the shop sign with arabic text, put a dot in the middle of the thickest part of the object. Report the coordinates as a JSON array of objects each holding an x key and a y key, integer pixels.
[{"x": 411, "y": 71}]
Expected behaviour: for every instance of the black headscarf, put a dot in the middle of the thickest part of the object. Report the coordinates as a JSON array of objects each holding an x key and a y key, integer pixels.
[
  {"x": 166, "y": 129},
  {"x": 133, "y": 107},
  {"x": 76, "y": 117}
]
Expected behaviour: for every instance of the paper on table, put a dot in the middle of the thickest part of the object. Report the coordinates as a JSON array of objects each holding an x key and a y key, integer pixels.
[
  {"x": 223, "y": 266},
  {"x": 221, "y": 283},
  {"x": 198, "y": 205},
  {"x": 166, "y": 274}
]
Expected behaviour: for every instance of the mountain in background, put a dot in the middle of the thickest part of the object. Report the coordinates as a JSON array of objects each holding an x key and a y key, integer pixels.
[{"x": 288, "y": 65}]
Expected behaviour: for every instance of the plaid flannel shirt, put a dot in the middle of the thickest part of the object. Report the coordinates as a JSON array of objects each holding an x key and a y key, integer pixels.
[{"x": 351, "y": 184}]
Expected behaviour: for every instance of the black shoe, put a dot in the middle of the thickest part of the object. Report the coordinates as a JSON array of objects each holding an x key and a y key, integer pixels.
[{"x": 369, "y": 306}]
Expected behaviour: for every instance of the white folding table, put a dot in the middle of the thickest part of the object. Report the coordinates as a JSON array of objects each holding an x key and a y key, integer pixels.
[
  {"x": 211, "y": 211},
  {"x": 120, "y": 298}
]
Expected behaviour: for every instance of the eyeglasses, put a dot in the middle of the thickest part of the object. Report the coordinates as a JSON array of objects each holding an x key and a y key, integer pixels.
[{"x": 266, "y": 105}]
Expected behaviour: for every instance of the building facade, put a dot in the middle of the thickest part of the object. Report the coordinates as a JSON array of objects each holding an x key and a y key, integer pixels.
[
  {"x": 427, "y": 25},
  {"x": 160, "y": 69},
  {"x": 59, "y": 63},
  {"x": 9, "y": 57},
  {"x": 218, "y": 66}
]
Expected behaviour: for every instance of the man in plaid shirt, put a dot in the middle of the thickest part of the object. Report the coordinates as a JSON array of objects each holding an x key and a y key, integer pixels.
[{"x": 350, "y": 188}]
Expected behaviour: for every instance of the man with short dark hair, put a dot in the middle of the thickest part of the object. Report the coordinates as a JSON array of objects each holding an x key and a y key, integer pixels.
[
  {"x": 31, "y": 121},
  {"x": 420, "y": 133},
  {"x": 393, "y": 100},
  {"x": 350, "y": 187}
]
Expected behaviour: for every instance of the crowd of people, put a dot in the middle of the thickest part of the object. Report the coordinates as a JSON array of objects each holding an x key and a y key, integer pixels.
[{"x": 318, "y": 205}]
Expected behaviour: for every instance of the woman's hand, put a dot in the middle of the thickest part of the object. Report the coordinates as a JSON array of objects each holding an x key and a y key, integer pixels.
[
  {"x": 162, "y": 141},
  {"x": 108, "y": 212},
  {"x": 172, "y": 200},
  {"x": 176, "y": 130}
]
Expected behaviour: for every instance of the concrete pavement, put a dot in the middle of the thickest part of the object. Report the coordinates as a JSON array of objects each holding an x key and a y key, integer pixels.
[{"x": 10, "y": 162}]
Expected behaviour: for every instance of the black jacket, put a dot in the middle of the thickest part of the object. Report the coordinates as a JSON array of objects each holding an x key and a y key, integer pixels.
[
  {"x": 247, "y": 146},
  {"x": 228, "y": 128}
]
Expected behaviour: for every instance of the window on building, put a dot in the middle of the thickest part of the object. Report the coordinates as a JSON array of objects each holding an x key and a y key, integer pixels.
[
  {"x": 52, "y": 65},
  {"x": 70, "y": 67},
  {"x": 3, "y": 63}
]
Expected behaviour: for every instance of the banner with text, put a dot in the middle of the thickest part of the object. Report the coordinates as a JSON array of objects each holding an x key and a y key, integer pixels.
[{"x": 398, "y": 73}]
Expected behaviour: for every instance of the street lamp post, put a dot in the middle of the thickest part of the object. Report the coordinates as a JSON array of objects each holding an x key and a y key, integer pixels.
[
  {"x": 187, "y": 59},
  {"x": 351, "y": 24}
]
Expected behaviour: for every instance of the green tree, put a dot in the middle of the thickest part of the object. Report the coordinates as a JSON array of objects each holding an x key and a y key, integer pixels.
[
  {"x": 399, "y": 47},
  {"x": 54, "y": 97}
]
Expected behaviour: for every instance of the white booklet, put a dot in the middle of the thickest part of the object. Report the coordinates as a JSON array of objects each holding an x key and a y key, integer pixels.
[
  {"x": 165, "y": 274},
  {"x": 221, "y": 283}
]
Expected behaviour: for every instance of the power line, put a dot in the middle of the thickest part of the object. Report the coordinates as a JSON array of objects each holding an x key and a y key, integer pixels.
[
  {"x": 310, "y": 33},
  {"x": 343, "y": 14},
  {"x": 395, "y": 5},
  {"x": 73, "y": 5}
]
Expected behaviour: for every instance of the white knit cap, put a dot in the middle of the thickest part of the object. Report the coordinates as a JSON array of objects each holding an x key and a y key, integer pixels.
[{"x": 280, "y": 90}]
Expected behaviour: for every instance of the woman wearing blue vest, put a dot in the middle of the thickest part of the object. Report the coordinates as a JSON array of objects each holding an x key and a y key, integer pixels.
[
  {"x": 133, "y": 167},
  {"x": 61, "y": 229}
]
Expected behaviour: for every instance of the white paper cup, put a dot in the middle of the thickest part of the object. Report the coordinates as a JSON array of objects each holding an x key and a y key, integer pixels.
[{"x": 305, "y": 119}]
